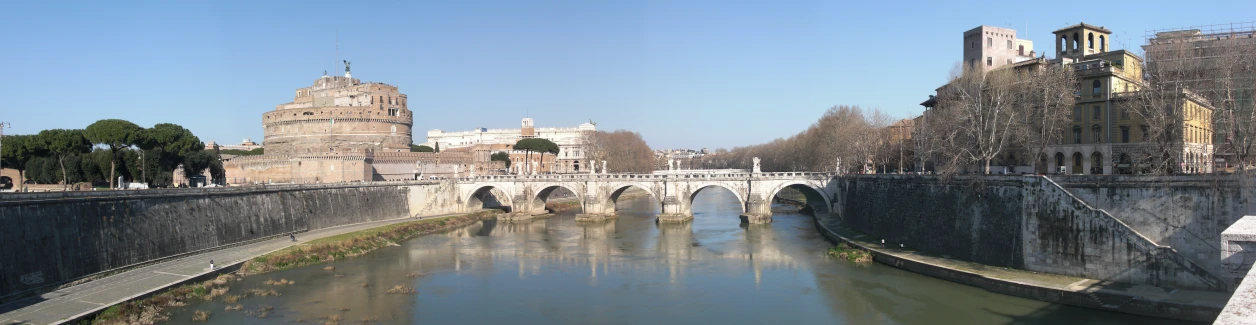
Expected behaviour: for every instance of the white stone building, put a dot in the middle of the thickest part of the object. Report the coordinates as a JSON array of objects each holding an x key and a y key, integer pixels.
[{"x": 570, "y": 140}]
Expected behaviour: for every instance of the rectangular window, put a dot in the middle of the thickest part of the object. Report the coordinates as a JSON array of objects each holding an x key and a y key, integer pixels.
[
  {"x": 989, "y": 61},
  {"x": 1125, "y": 113},
  {"x": 1009, "y": 61},
  {"x": 1009, "y": 44},
  {"x": 1077, "y": 114},
  {"x": 1125, "y": 134},
  {"x": 989, "y": 42},
  {"x": 1098, "y": 113}
]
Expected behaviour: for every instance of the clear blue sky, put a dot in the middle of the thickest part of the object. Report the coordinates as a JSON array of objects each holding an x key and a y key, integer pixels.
[{"x": 682, "y": 73}]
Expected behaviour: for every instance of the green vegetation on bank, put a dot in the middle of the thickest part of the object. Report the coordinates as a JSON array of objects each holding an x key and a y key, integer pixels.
[
  {"x": 150, "y": 310},
  {"x": 106, "y": 150},
  {"x": 850, "y": 254},
  {"x": 353, "y": 244},
  {"x": 238, "y": 152},
  {"x": 502, "y": 157},
  {"x": 563, "y": 205}
]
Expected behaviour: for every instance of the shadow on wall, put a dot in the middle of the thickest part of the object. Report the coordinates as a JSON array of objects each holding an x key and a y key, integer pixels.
[
  {"x": 489, "y": 197},
  {"x": 1026, "y": 223},
  {"x": 1187, "y": 213}
]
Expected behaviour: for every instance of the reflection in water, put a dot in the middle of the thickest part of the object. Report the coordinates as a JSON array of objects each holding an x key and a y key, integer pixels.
[{"x": 628, "y": 271}]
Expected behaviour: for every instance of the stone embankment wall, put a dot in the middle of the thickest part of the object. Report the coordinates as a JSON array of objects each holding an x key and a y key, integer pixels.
[
  {"x": 52, "y": 238},
  {"x": 1027, "y": 223},
  {"x": 1187, "y": 213}
]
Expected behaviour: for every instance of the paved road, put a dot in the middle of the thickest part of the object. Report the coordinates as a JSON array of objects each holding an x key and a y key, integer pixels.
[{"x": 70, "y": 302}]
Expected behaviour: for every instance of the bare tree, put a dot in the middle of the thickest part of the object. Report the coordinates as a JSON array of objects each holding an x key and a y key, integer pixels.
[
  {"x": 980, "y": 106},
  {"x": 1157, "y": 104},
  {"x": 1046, "y": 97},
  {"x": 625, "y": 151},
  {"x": 1221, "y": 69}
]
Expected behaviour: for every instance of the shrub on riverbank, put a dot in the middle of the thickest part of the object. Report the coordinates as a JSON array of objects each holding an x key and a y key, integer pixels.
[
  {"x": 563, "y": 206},
  {"x": 150, "y": 310},
  {"x": 354, "y": 243},
  {"x": 851, "y": 254}
]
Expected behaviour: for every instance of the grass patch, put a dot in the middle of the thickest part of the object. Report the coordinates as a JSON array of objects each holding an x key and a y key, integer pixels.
[
  {"x": 200, "y": 316},
  {"x": 360, "y": 242},
  {"x": 150, "y": 310},
  {"x": 851, "y": 254},
  {"x": 402, "y": 289}
]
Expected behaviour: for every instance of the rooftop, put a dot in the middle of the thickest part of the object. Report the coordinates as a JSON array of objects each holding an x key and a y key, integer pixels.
[{"x": 1084, "y": 25}]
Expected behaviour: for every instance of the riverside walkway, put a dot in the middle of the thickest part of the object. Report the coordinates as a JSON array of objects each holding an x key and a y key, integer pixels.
[{"x": 75, "y": 301}]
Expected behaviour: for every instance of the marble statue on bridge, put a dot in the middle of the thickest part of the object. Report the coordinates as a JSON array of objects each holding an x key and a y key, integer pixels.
[{"x": 756, "y": 165}]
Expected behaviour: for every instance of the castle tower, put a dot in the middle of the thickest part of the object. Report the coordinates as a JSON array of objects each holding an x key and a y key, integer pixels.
[
  {"x": 990, "y": 47},
  {"x": 1081, "y": 40}
]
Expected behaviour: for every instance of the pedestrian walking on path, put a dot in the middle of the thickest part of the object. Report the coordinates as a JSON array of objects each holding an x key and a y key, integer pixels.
[
  {"x": 211, "y": 265},
  {"x": 294, "y": 236}
]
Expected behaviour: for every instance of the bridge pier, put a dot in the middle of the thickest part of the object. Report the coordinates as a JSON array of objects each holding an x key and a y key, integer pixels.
[
  {"x": 597, "y": 209},
  {"x": 524, "y": 208},
  {"x": 674, "y": 210},
  {"x": 758, "y": 211}
]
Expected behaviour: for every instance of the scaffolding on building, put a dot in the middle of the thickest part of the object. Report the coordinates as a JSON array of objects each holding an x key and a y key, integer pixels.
[{"x": 1209, "y": 59}]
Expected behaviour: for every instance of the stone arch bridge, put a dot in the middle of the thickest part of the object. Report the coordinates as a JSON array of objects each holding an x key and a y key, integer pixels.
[{"x": 525, "y": 195}]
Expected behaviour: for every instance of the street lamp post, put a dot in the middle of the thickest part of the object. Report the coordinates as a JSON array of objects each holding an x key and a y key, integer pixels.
[{"x": 3, "y": 125}]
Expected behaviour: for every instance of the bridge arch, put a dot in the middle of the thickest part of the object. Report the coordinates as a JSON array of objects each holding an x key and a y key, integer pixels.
[
  {"x": 543, "y": 191},
  {"x": 489, "y": 196},
  {"x": 617, "y": 190},
  {"x": 697, "y": 188},
  {"x": 816, "y": 197}
]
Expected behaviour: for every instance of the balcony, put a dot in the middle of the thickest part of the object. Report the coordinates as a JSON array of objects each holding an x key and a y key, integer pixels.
[{"x": 1096, "y": 68}]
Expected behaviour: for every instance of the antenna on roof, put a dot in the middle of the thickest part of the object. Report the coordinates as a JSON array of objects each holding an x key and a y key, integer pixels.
[{"x": 337, "y": 47}]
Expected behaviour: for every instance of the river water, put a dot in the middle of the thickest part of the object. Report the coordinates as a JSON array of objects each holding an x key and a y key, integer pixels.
[{"x": 630, "y": 271}]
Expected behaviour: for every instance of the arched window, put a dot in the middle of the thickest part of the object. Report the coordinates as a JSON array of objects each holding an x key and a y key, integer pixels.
[
  {"x": 1090, "y": 40},
  {"x": 1103, "y": 44},
  {"x": 1096, "y": 133},
  {"x": 1059, "y": 159},
  {"x": 1097, "y": 87},
  {"x": 1076, "y": 42}
]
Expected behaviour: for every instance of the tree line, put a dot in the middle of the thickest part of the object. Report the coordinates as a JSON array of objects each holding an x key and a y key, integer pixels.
[
  {"x": 107, "y": 149},
  {"x": 1009, "y": 116},
  {"x": 624, "y": 151},
  {"x": 984, "y": 114},
  {"x": 845, "y": 137}
]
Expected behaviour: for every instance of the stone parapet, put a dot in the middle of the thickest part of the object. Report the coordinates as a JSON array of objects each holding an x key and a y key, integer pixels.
[{"x": 1238, "y": 249}]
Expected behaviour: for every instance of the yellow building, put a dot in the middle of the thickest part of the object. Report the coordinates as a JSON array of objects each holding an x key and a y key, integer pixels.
[{"x": 1106, "y": 135}]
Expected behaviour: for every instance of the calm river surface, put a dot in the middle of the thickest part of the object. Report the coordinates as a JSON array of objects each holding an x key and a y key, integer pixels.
[{"x": 632, "y": 271}]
